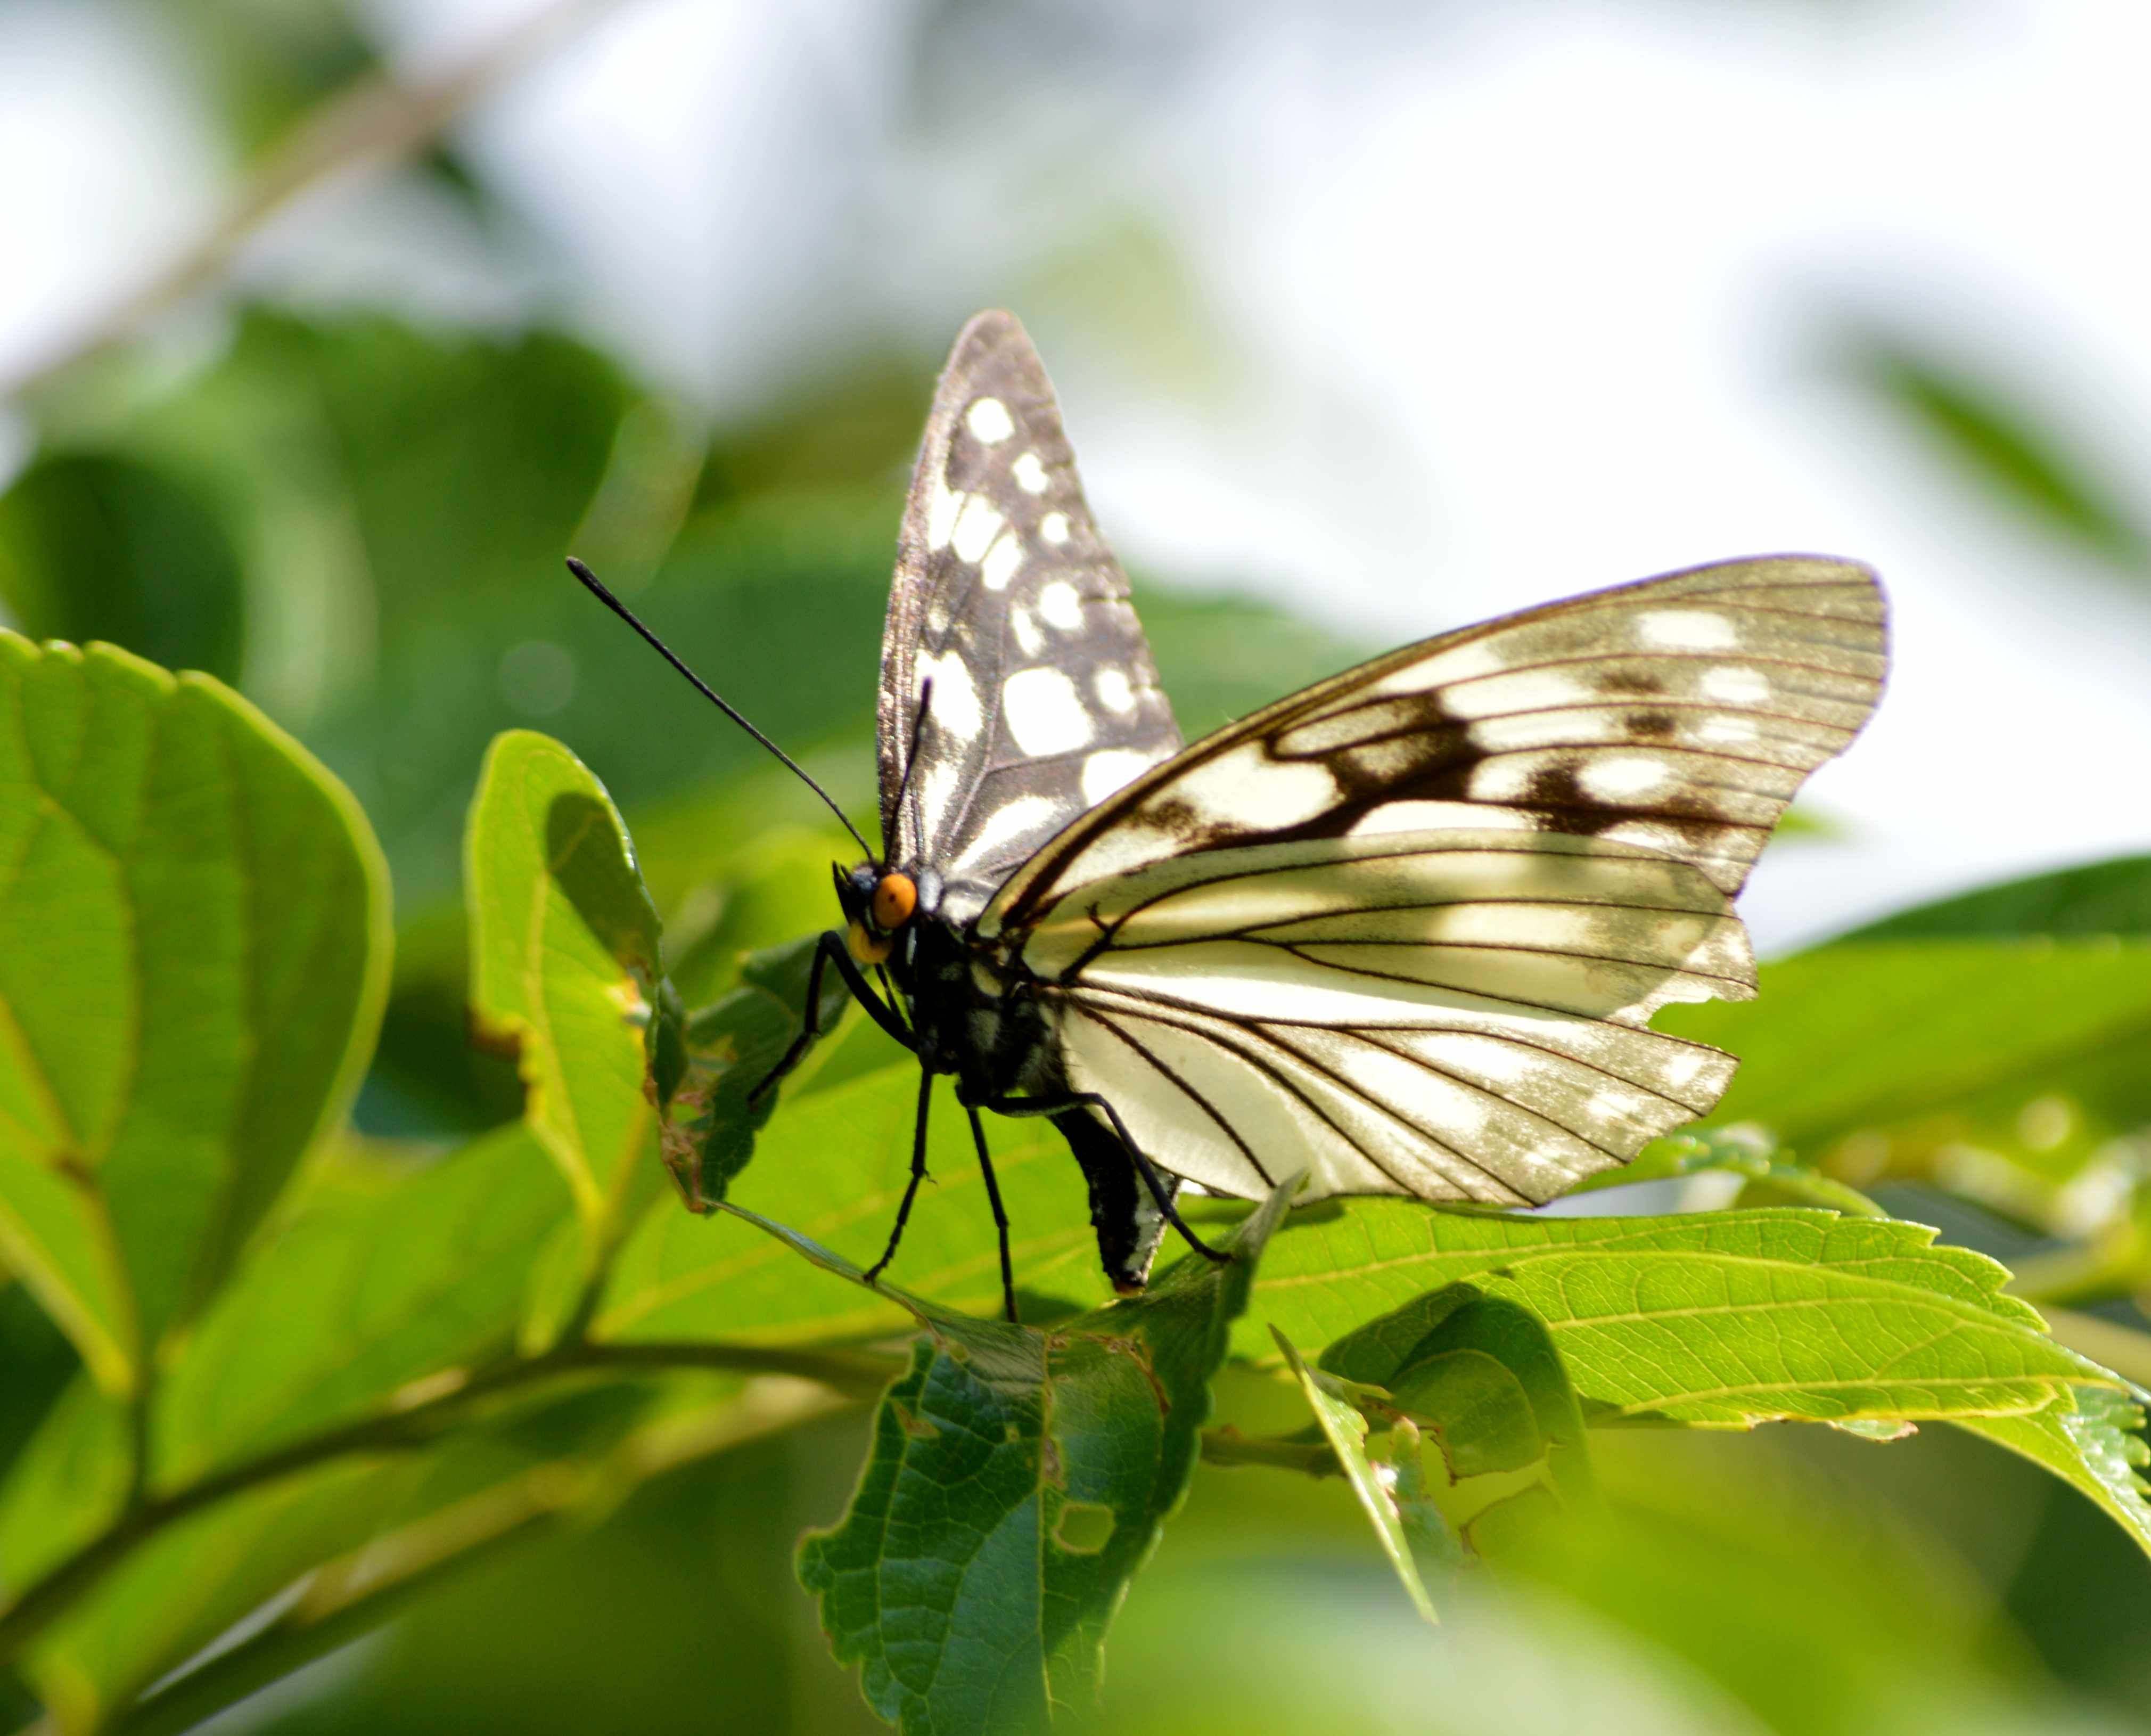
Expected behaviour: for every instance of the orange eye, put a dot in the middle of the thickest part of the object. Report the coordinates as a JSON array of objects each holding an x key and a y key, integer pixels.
[{"x": 894, "y": 899}]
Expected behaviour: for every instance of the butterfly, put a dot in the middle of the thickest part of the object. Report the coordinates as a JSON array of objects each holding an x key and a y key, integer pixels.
[{"x": 1403, "y": 930}]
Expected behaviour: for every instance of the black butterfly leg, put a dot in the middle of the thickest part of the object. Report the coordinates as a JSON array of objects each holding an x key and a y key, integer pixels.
[
  {"x": 1091, "y": 1100},
  {"x": 918, "y": 1174},
  {"x": 1000, "y": 1216},
  {"x": 832, "y": 948}
]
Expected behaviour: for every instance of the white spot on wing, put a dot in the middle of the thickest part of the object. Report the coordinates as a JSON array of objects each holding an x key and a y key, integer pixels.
[
  {"x": 1053, "y": 527},
  {"x": 1511, "y": 692},
  {"x": 1246, "y": 788},
  {"x": 954, "y": 702},
  {"x": 1001, "y": 562},
  {"x": 1436, "y": 816},
  {"x": 1736, "y": 686},
  {"x": 1728, "y": 731},
  {"x": 1061, "y": 605},
  {"x": 1621, "y": 778},
  {"x": 1501, "y": 780},
  {"x": 988, "y": 420},
  {"x": 1114, "y": 692},
  {"x": 936, "y": 791},
  {"x": 941, "y": 509},
  {"x": 1044, "y": 712},
  {"x": 1025, "y": 629},
  {"x": 976, "y": 526},
  {"x": 1108, "y": 769},
  {"x": 1460, "y": 663},
  {"x": 1005, "y": 824},
  {"x": 1030, "y": 473},
  {"x": 1687, "y": 629}
]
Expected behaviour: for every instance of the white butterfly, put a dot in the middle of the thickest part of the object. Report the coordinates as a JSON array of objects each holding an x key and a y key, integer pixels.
[{"x": 1404, "y": 930}]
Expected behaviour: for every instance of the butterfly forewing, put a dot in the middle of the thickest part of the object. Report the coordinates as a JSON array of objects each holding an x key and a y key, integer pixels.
[
  {"x": 1679, "y": 714},
  {"x": 1405, "y": 929},
  {"x": 1010, "y": 621}
]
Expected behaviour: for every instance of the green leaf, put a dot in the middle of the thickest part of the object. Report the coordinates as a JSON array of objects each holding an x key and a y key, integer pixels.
[
  {"x": 193, "y": 951},
  {"x": 1017, "y": 1481},
  {"x": 2102, "y": 898},
  {"x": 69, "y": 1482},
  {"x": 335, "y": 1537},
  {"x": 1854, "y": 1034},
  {"x": 726, "y": 1051},
  {"x": 1745, "y": 1151},
  {"x": 40, "y": 1362},
  {"x": 835, "y": 1163},
  {"x": 2089, "y": 1437},
  {"x": 1346, "y": 1431},
  {"x": 367, "y": 1293},
  {"x": 1483, "y": 1371},
  {"x": 96, "y": 545},
  {"x": 565, "y": 967},
  {"x": 1723, "y": 1318},
  {"x": 2000, "y": 444}
]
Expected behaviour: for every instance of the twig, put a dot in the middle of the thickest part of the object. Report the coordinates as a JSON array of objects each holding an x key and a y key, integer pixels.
[
  {"x": 355, "y": 1594},
  {"x": 1229, "y": 1446},
  {"x": 375, "y": 120},
  {"x": 852, "y": 1374}
]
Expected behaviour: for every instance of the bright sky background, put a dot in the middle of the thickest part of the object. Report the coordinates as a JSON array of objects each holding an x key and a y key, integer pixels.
[{"x": 1445, "y": 311}]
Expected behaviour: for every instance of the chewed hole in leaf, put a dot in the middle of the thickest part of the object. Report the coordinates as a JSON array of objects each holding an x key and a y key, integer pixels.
[{"x": 1083, "y": 1528}]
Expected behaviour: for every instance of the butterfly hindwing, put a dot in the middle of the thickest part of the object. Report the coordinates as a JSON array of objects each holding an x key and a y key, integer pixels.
[
  {"x": 1449, "y": 1015},
  {"x": 1009, "y": 621},
  {"x": 1405, "y": 929}
]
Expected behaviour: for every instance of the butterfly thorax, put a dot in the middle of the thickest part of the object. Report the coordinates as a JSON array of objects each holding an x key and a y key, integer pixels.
[
  {"x": 975, "y": 1011},
  {"x": 977, "y": 1015}
]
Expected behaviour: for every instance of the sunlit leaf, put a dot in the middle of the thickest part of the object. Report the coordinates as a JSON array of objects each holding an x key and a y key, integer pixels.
[
  {"x": 2092, "y": 1440},
  {"x": 1727, "y": 1319},
  {"x": 1746, "y": 1150},
  {"x": 1018, "y": 1478},
  {"x": 1345, "y": 1428},
  {"x": 564, "y": 968},
  {"x": 1853, "y": 1034},
  {"x": 833, "y": 1163},
  {"x": 192, "y": 955},
  {"x": 365, "y": 1294},
  {"x": 2102, "y": 897},
  {"x": 1484, "y": 1372}
]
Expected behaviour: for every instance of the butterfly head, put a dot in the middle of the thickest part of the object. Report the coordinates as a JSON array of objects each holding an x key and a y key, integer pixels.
[{"x": 877, "y": 902}]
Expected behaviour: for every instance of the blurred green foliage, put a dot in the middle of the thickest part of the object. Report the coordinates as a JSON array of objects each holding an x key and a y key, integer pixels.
[{"x": 2010, "y": 453}]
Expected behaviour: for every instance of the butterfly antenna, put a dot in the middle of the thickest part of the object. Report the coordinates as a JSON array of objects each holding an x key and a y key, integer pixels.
[
  {"x": 596, "y": 588},
  {"x": 911, "y": 756}
]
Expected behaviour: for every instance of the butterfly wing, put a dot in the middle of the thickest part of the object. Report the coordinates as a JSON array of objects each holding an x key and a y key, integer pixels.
[
  {"x": 1012, "y": 657},
  {"x": 1406, "y": 928}
]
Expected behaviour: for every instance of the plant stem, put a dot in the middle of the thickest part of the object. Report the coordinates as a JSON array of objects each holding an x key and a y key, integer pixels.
[
  {"x": 854, "y": 1373},
  {"x": 345, "y": 1600},
  {"x": 1229, "y": 1446},
  {"x": 375, "y": 120}
]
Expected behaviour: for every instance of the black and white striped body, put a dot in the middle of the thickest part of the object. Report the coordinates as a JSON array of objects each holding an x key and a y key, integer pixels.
[{"x": 979, "y": 1014}]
